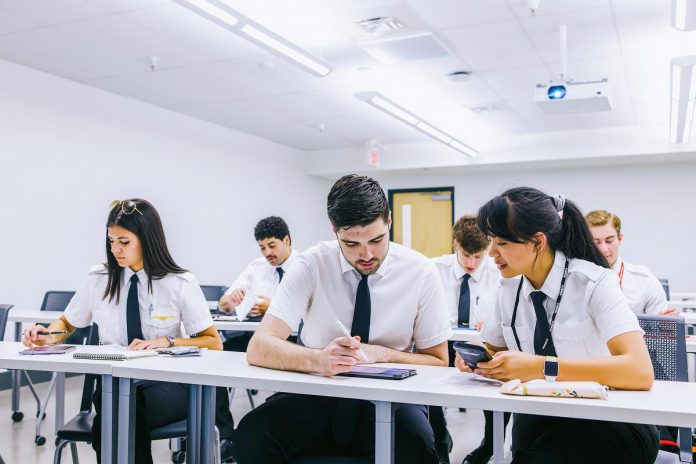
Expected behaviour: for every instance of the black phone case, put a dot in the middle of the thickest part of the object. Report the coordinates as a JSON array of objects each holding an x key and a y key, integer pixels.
[
  {"x": 400, "y": 376},
  {"x": 471, "y": 354}
]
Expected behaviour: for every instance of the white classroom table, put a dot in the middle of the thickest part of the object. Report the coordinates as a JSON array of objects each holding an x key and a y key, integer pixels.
[
  {"x": 11, "y": 359},
  {"x": 669, "y": 403}
]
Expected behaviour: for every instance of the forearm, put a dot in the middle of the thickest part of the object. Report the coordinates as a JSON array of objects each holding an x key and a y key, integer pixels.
[
  {"x": 203, "y": 341},
  {"x": 621, "y": 371},
  {"x": 389, "y": 355},
  {"x": 267, "y": 350},
  {"x": 59, "y": 324}
]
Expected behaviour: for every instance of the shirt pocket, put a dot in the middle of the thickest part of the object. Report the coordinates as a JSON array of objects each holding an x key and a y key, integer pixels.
[
  {"x": 522, "y": 335},
  {"x": 163, "y": 322},
  {"x": 570, "y": 338}
]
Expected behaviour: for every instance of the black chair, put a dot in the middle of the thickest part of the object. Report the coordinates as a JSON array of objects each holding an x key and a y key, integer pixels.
[
  {"x": 330, "y": 460},
  {"x": 4, "y": 312},
  {"x": 665, "y": 286},
  {"x": 665, "y": 338},
  {"x": 54, "y": 300},
  {"x": 213, "y": 292}
]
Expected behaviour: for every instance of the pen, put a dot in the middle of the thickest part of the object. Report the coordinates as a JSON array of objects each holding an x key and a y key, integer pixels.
[
  {"x": 347, "y": 334},
  {"x": 52, "y": 332}
]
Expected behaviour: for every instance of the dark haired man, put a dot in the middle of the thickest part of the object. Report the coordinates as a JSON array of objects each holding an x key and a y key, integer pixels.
[
  {"x": 390, "y": 297},
  {"x": 470, "y": 281},
  {"x": 261, "y": 277}
]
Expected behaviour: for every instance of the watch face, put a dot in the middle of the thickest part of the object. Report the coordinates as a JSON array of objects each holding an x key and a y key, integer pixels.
[{"x": 551, "y": 368}]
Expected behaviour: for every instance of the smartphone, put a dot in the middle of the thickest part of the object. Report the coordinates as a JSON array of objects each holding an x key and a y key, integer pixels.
[
  {"x": 379, "y": 373},
  {"x": 471, "y": 354}
]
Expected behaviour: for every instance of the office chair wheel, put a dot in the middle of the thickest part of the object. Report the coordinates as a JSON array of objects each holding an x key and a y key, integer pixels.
[
  {"x": 42, "y": 417},
  {"x": 39, "y": 440},
  {"x": 254, "y": 392},
  {"x": 179, "y": 457},
  {"x": 17, "y": 416}
]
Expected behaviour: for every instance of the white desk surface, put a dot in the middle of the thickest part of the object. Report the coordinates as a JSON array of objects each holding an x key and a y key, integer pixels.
[
  {"x": 33, "y": 316},
  {"x": 237, "y": 325},
  {"x": 669, "y": 403},
  {"x": 11, "y": 359}
]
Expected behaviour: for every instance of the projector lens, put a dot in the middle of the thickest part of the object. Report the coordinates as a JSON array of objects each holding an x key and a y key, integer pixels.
[{"x": 556, "y": 92}]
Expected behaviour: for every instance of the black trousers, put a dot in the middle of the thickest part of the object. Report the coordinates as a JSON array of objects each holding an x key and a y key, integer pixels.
[
  {"x": 550, "y": 440},
  {"x": 156, "y": 404},
  {"x": 289, "y": 425}
]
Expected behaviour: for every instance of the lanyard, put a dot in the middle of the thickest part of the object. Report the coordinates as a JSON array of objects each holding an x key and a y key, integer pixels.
[
  {"x": 621, "y": 271},
  {"x": 555, "y": 311}
]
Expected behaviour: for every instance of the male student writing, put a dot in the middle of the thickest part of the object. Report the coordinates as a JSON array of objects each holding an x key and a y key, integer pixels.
[{"x": 389, "y": 296}]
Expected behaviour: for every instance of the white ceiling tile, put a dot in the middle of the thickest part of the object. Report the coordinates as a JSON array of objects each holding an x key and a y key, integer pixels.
[
  {"x": 591, "y": 34},
  {"x": 554, "y": 7},
  {"x": 621, "y": 113},
  {"x": 493, "y": 46},
  {"x": 323, "y": 143},
  {"x": 538, "y": 121},
  {"x": 447, "y": 14},
  {"x": 53, "y": 52},
  {"x": 596, "y": 69},
  {"x": 52, "y": 12},
  {"x": 10, "y": 22},
  {"x": 284, "y": 132},
  {"x": 516, "y": 82},
  {"x": 294, "y": 108},
  {"x": 182, "y": 26},
  {"x": 124, "y": 37},
  {"x": 127, "y": 5},
  {"x": 473, "y": 92},
  {"x": 235, "y": 114}
]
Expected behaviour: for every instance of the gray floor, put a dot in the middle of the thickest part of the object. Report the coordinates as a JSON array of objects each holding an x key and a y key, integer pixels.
[{"x": 17, "y": 439}]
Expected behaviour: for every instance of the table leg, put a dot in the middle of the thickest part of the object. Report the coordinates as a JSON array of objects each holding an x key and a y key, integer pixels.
[
  {"x": 107, "y": 418},
  {"x": 384, "y": 432},
  {"x": 126, "y": 422},
  {"x": 207, "y": 422},
  {"x": 192, "y": 425},
  {"x": 60, "y": 399},
  {"x": 498, "y": 437},
  {"x": 16, "y": 379}
]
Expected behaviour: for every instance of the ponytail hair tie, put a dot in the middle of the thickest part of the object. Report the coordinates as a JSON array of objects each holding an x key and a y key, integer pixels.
[{"x": 559, "y": 203}]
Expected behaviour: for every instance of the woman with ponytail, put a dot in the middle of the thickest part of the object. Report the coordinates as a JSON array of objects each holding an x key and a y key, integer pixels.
[{"x": 560, "y": 315}]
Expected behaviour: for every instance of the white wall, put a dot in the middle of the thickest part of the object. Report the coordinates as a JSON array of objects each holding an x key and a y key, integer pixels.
[
  {"x": 656, "y": 203},
  {"x": 68, "y": 150}
]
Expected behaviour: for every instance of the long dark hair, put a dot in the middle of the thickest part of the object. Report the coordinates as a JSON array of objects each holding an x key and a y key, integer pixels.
[
  {"x": 143, "y": 221},
  {"x": 519, "y": 213}
]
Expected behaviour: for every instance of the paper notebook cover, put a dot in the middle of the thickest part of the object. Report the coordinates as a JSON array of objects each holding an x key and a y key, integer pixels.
[
  {"x": 540, "y": 387},
  {"x": 50, "y": 349},
  {"x": 112, "y": 353}
]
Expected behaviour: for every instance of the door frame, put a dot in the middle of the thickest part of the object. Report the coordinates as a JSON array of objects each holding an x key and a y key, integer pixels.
[{"x": 390, "y": 199}]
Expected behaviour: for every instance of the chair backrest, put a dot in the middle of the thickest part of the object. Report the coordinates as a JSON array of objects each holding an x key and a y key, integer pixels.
[
  {"x": 665, "y": 338},
  {"x": 665, "y": 286},
  {"x": 55, "y": 300},
  {"x": 90, "y": 379},
  {"x": 4, "y": 312},
  {"x": 213, "y": 292}
]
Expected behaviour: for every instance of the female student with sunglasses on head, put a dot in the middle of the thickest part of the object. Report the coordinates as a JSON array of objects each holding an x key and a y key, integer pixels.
[
  {"x": 139, "y": 298},
  {"x": 561, "y": 315}
]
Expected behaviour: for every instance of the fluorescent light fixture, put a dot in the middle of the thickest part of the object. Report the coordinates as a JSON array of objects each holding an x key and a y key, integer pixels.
[
  {"x": 684, "y": 15},
  {"x": 382, "y": 103},
  {"x": 223, "y": 15},
  {"x": 683, "y": 98}
]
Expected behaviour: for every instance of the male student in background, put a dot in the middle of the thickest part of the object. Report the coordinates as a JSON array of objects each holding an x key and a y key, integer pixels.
[
  {"x": 470, "y": 280},
  {"x": 261, "y": 277},
  {"x": 391, "y": 299},
  {"x": 641, "y": 288}
]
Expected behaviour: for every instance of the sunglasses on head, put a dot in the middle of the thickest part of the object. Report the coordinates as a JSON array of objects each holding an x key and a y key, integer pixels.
[{"x": 127, "y": 207}]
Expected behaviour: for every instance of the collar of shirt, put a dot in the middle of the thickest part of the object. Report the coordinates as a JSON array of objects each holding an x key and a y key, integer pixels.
[
  {"x": 552, "y": 284},
  {"x": 128, "y": 272},
  {"x": 617, "y": 265},
  {"x": 288, "y": 262},
  {"x": 347, "y": 267},
  {"x": 459, "y": 270}
]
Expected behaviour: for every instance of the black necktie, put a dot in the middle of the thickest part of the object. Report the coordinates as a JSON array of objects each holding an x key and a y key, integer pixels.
[
  {"x": 361, "y": 313},
  {"x": 133, "y": 311},
  {"x": 464, "y": 301},
  {"x": 280, "y": 272},
  {"x": 541, "y": 329}
]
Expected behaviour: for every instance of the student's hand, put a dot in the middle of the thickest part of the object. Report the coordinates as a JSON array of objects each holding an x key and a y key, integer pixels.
[
  {"x": 30, "y": 337},
  {"x": 374, "y": 353},
  {"x": 478, "y": 326},
  {"x": 153, "y": 344},
  {"x": 461, "y": 365},
  {"x": 669, "y": 312},
  {"x": 260, "y": 307},
  {"x": 508, "y": 365},
  {"x": 235, "y": 298},
  {"x": 339, "y": 356}
]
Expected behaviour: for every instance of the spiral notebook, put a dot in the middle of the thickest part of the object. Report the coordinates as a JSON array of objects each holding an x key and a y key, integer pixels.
[{"x": 112, "y": 353}]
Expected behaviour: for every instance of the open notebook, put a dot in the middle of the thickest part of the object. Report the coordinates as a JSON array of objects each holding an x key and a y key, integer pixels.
[{"x": 111, "y": 353}]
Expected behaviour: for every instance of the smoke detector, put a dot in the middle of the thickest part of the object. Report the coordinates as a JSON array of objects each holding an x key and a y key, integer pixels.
[{"x": 379, "y": 25}]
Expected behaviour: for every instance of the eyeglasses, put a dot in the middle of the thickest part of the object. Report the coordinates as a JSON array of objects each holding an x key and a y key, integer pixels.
[{"x": 127, "y": 207}]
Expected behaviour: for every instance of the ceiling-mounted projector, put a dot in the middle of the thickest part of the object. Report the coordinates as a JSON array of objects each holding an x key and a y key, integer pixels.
[{"x": 573, "y": 97}]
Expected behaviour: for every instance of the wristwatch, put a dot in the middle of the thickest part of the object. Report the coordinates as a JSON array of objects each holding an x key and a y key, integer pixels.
[
  {"x": 551, "y": 368},
  {"x": 170, "y": 339}
]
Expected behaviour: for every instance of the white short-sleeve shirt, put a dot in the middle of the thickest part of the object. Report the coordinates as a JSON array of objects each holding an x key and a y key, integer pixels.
[
  {"x": 483, "y": 286},
  {"x": 593, "y": 311},
  {"x": 175, "y": 300},
  {"x": 260, "y": 277},
  {"x": 407, "y": 304},
  {"x": 641, "y": 288}
]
